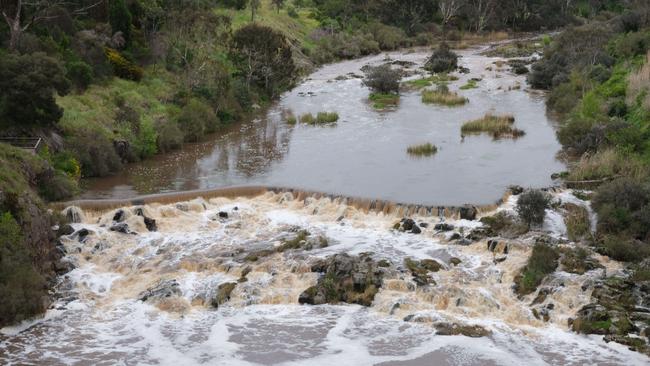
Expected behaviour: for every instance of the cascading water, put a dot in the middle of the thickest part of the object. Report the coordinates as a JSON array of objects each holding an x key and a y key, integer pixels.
[{"x": 156, "y": 297}]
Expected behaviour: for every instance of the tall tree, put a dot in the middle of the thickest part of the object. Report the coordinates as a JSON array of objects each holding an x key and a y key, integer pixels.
[
  {"x": 20, "y": 15},
  {"x": 255, "y": 5},
  {"x": 449, "y": 9},
  {"x": 481, "y": 13},
  {"x": 278, "y": 5}
]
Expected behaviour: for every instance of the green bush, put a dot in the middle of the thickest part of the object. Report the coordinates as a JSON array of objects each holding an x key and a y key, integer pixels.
[
  {"x": 442, "y": 60},
  {"x": 623, "y": 208},
  {"x": 122, "y": 67},
  {"x": 543, "y": 261},
  {"x": 80, "y": 74},
  {"x": 120, "y": 19},
  {"x": 22, "y": 289},
  {"x": 622, "y": 248},
  {"x": 383, "y": 79},
  {"x": 169, "y": 136},
  {"x": 532, "y": 205},
  {"x": 95, "y": 153},
  {"x": 196, "y": 119}
]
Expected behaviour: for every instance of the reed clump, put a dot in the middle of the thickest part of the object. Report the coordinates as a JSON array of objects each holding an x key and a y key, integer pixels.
[
  {"x": 427, "y": 149},
  {"x": 497, "y": 126},
  {"x": 320, "y": 118},
  {"x": 443, "y": 96}
]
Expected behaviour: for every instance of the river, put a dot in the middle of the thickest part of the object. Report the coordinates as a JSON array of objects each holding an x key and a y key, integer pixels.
[
  {"x": 149, "y": 297},
  {"x": 364, "y": 154}
]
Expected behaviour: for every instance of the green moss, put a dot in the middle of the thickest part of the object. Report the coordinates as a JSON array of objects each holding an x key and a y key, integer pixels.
[{"x": 542, "y": 261}]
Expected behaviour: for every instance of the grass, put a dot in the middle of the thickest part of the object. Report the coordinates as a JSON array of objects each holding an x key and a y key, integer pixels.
[
  {"x": 320, "y": 118},
  {"x": 296, "y": 29},
  {"x": 437, "y": 79},
  {"x": 471, "y": 84},
  {"x": 542, "y": 262},
  {"x": 383, "y": 101},
  {"x": 427, "y": 149},
  {"x": 607, "y": 164},
  {"x": 577, "y": 222},
  {"x": 442, "y": 97},
  {"x": 497, "y": 126}
]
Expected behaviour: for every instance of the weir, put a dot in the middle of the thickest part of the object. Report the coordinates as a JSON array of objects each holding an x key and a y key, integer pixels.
[{"x": 366, "y": 205}]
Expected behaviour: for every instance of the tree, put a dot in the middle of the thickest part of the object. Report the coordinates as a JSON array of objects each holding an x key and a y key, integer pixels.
[
  {"x": 263, "y": 57},
  {"x": 27, "y": 87},
  {"x": 449, "y": 9},
  {"x": 278, "y": 4},
  {"x": 532, "y": 205},
  {"x": 383, "y": 79},
  {"x": 482, "y": 12},
  {"x": 120, "y": 19},
  {"x": 20, "y": 15},
  {"x": 255, "y": 5}
]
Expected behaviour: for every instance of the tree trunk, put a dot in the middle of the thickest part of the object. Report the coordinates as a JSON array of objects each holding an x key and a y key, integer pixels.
[{"x": 15, "y": 31}]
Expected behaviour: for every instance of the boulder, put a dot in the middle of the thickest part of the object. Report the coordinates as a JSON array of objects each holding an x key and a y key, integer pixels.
[
  {"x": 455, "y": 261},
  {"x": 443, "y": 227},
  {"x": 223, "y": 293},
  {"x": 119, "y": 216},
  {"x": 161, "y": 290},
  {"x": 408, "y": 224},
  {"x": 121, "y": 227},
  {"x": 420, "y": 270},
  {"x": 223, "y": 215},
  {"x": 148, "y": 222},
  {"x": 416, "y": 230},
  {"x": 468, "y": 213},
  {"x": 448, "y": 329},
  {"x": 65, "y": 230},
  {"x": 344, "y": 278},
  {"x": 82, "y": 234}
]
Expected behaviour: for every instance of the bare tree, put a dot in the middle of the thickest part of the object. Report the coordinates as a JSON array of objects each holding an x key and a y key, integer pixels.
[
  {"x": 22, "y": 14},
  {"x": 483, "y": 11},
  {"x": 449, "y": 9}
]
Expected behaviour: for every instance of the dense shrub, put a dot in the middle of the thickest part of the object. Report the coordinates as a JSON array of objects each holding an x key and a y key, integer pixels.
[
  {"x": 387, "y": 37},
  {"x": 543, "y": 261},
  {"x": 577, "y": 221},
  {"x": 80, "y": 74},
  {"x": 532, "y": 205},
  {"x": 235, "y": 4},
  {"x": 623, "y": 248},
  {"x": 196, "y": 119},
  {"x": 442, "y": 60},
  {"x": 122, "y": 67},
  {"x": 22, "y": 289},
  {"x": 169, "y": 136},
  {"x": 623, "y": 207},
  {"x": 28, "y": 84},
  {"x": 95, "y": 153},
  {"x": 120, "y": 19},
  {"x": 383, "y": 79}
]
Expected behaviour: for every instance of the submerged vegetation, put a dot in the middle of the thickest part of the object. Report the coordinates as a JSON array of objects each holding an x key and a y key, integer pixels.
[
  {"x": 436, "y": 79},
  {"x": 497, "y": 126},
  {"x": 427, "y": 149},
  {"x": 320, "y": 118},
  {"x": 383, "y": 101}
]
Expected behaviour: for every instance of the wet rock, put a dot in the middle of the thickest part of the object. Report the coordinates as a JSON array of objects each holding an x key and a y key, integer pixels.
[
  {"x": 223, "y": 293},
  {"x": 424, "y": 225},
  {"x": 492, "y": 245},
  {"x": 455, "y": 261},
  {"x": 148, "y": 222},
  {"x": 345, "y": 278},
  {"x": 65, "y": 230},
  {"x": 468, "y": 213},
  {"x": 223, "y": 215},
  {"x": 62, "y": 267},
  {"x": 541, "y": 296},
  {"x": 161, "y": 290},
  {"x": 408, "y": 224},
  {"x": 416, "y": 230},
  {"x": 121, "y": 227},
  {"x": 420, "y": 270},
  {"x": 455, "y": 236},
  {"x": 516, "y": 190},
  {"x": 443, "y": 227},
  {"x": 82, "y": 234},
  {"x": 500, "y": 259},
  {"x": 183, "y": 206},
  {"x": 449, "y": 329},
  {"x": 119, "y": 216}
]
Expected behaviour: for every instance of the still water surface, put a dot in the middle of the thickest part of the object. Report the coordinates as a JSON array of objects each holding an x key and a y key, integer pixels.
[{"x": 364, "y": 154}]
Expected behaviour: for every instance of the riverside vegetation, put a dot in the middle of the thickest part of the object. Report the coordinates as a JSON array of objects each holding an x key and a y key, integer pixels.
[{"x": 110, "y": 82}]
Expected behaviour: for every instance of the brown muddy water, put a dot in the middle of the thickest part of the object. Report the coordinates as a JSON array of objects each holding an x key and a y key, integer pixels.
[{"x": 364, "y": 154}]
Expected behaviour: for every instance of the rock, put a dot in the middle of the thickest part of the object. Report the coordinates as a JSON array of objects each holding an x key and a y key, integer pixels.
[
  {"x": 119, "y": 216},
  {"x": 424, "y": 225},
  {"x": 121, "y": 227},
  {"x": 123, "y": 149},
  {"x": 148, "y": 222},
  {"x": 416, "y": 230},
  {"x": 491, "y": 245},
  {"x": 449, "y": 329},
  {"x": 541, "y": 296},
  {"x": 443, "y": 227},
  {"x": 62, "y": 267},
  {"x": 455, "y": 236},
  {"x": 344, "y": 278},
  {"x": 455, "y": 261},
  {"x": 81, "y": 235},
  {"x": 408, "y": 224},
  {"x": 223, "y": 215},
  {"x": 468, "y": 213},
  {"x": 65, "y": 230},
  {"x": 223, "y": 293},
  {"x": 499, "y": 259},
  {"x": 516, "y": 190},
  {"x": 161, "y": 290},
  {"x": 420, "y": 270},
  {"x": 183, "y": 206}
]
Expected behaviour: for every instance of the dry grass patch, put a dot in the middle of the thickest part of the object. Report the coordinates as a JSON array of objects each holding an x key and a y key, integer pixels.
[
  {"x": 497, "y": 126},
  {"x": 607, "y": 164},
  {"x": 638, "y": 88}
]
